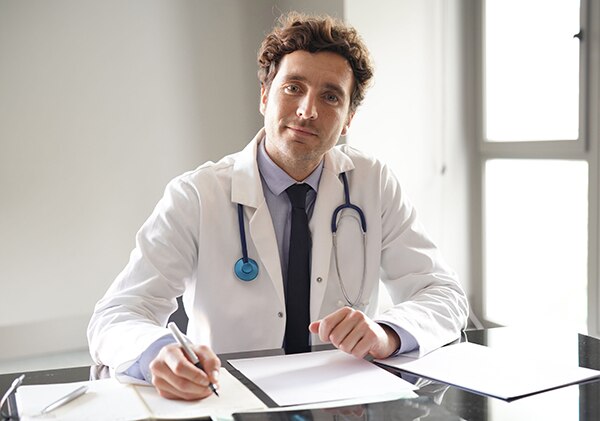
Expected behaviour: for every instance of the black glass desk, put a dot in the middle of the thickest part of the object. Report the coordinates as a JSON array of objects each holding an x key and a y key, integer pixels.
[{"x": 580, "y": 402}]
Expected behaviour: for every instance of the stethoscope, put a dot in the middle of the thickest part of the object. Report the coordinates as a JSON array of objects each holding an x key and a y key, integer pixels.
[{"x": 246, "y": 269}]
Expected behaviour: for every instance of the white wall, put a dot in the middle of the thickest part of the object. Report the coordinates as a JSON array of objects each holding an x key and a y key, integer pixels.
[
  {"x": 333, "y": 8},
  {"x": 103, "y": 102},
  {"x": 412, "y": 117}
]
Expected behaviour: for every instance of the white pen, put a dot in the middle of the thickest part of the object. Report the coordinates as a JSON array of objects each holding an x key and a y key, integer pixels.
[
  {"x": 80, "y": 391},
  {"x": 191, "y": 354}
]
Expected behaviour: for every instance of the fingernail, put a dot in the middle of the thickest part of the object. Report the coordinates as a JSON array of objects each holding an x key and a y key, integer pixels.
[{"x": 215, "y": 375}]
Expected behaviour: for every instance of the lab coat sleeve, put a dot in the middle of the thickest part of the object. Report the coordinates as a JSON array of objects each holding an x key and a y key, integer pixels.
[
  {"x": 134, "y": 311},
  {"x": 429, "y": 302}
]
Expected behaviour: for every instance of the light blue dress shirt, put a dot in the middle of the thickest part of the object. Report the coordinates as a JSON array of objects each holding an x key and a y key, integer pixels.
[{"x": 274, "y": 183}]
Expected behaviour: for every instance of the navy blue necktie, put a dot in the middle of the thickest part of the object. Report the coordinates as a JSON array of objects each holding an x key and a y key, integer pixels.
[{"x": 297, "y": 299}]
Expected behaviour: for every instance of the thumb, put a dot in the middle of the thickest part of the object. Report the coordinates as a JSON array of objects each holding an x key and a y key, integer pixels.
[{"x": 314, "y": 326}]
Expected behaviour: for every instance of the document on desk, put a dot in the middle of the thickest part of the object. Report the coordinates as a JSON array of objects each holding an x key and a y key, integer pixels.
[
  {"x": 113, "y": 401},
  {"x": 492, "y": 372},
  {"x": 320, "y": 377},
  {"x": 105, "y": 399}
]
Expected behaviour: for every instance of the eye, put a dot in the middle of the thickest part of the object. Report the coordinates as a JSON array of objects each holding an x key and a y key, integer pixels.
[
  {"x": 331, "y": 98},
  {"x": 292, "y": 89}
]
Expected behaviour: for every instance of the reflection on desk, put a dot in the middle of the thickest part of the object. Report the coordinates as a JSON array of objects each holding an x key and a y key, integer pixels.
[
  {"x": 415, "y": 409},
  {"x": 580, "y": 402}
]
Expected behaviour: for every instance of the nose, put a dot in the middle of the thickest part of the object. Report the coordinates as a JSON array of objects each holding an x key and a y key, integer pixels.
[{"x": 307, "y": 108}]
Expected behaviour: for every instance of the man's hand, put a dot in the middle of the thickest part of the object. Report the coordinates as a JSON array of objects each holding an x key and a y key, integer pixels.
[
  {"x": 355, "y": 333},
  {"x": 175, "y": 377}
]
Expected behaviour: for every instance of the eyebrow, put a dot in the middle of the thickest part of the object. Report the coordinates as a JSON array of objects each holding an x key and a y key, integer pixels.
[{"x": 330, "y": 86}]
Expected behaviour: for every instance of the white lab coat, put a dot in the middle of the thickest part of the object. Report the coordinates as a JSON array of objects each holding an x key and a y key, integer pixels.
[{"x": 191, "y": 241}]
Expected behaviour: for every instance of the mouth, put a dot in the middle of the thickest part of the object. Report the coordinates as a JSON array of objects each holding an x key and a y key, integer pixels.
[{"x": 302, "y": 130}]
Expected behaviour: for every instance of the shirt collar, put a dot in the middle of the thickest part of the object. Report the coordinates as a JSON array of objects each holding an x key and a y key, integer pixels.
[{"x": 278, "y": 180}]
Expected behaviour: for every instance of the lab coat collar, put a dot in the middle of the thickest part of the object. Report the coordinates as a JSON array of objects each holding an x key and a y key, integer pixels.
[
  {"x": 337, "y": 162},
  {"x": 246, "y": 186}
]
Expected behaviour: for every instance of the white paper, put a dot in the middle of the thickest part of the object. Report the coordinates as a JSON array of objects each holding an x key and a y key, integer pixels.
[
  {"x": 492, "y": 372},
  {"x": 105, "y": 399},
  {"x": 319, "y": 377},
  {"x": 108, "y": 399},
  {"x": 233, "y": 397}
]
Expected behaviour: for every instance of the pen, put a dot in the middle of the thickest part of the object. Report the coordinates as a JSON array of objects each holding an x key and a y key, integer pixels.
[
  {"x": 6, "y": 398},
  {"x": 191, "y": 355},
  {"x": 80, "y": 391}
]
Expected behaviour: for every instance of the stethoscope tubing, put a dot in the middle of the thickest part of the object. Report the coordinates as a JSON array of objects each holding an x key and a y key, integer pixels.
[
  {"x": 347, "y": 205},
  {"x": 242, "y": 233},
  {"x": 246, "y": 269}
]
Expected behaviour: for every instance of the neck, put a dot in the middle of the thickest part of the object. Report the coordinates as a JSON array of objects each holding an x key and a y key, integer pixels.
[
  {"x": 298, "y": 173},
  {"x": 298, "y": 169}
]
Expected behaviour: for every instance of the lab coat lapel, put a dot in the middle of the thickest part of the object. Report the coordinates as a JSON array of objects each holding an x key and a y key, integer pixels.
[
  {"x": 330, "y": 196},
  {"x": 246, "y": 189},
  {"x": 263, "y": 236}
]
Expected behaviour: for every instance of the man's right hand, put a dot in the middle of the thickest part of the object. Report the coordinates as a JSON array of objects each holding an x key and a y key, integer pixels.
[{"x": 175, "y": 377}]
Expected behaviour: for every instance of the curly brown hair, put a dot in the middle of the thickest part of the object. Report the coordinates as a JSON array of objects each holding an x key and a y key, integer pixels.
[{"x": 298, "y": 31}]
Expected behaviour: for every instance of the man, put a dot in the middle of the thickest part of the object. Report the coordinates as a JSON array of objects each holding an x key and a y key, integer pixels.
[{"x": 273, "y": 202}]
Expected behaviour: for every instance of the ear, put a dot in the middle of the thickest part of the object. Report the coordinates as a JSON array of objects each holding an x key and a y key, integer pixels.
[
  {"x": 347, "y": 125},
  {"x": 264, "y": 93}
]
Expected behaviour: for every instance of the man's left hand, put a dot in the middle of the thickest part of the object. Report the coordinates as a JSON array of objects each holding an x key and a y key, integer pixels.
[{"x": 353, "y": 332}]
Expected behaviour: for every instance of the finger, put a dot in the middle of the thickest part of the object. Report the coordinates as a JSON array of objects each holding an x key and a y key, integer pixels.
[
  {"x": 348, "y": 330},
  {"x": 357, "y": 335},
  {"x": 169, "y": 384},
  {"x": 362, "y": 347},
  {"x": 175, "y": 376},
  {"x": 179, "y": 364},
  {"x": 314, "y": 326},
  {"x": 211, "y": 364},
  {"x": 347, "y": 336},
  {"x": 329, "y": 323},
  {"x": 179, "y": 389}
]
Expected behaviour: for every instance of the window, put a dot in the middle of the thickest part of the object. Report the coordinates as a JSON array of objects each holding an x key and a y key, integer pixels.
[
  {"x": 536, "y": 241},
  {"x": 531, "y": 70},
  {"x": 536, "y": 164}
]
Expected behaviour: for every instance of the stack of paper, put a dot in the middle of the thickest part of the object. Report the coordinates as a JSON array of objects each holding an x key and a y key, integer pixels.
[
  {"x": 492, "y": 372},
  {"x": 110, "y": 400},
  {"x": 320, "y": 377}
]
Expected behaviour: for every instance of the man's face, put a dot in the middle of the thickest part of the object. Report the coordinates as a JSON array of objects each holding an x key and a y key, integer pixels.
[{"x": 306, "y": 109}]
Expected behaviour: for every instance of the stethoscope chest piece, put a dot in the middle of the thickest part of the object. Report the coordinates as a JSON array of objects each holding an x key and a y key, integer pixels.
[{"x": 246, "y": 271}]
